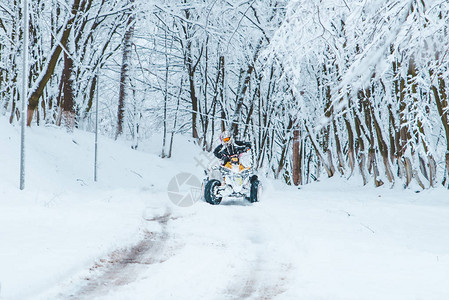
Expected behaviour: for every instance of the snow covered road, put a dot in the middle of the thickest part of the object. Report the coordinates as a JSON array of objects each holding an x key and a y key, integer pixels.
[
  {"x": 226, "y": 254},
  {"x": 66, "y": 237},
  {"x": 309, "y": 244}
]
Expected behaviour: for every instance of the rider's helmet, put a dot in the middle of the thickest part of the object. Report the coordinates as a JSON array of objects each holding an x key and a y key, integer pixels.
[{"x": 226, "y": 138}]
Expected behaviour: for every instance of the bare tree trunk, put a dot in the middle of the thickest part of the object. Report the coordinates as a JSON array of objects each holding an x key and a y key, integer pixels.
[
  {"x": 124, "y": 73},
  {"x": 281, "y": 160},
  {"x": 218, "y": 96},
  {"x": 404, "y": 162},
  {"x": 244, "y": 87},
  {"x": 296, "y": 168},
  {"x": 137, "y": 114},
  {"x": 440, "y": 97},
  {"x": 392, "y": 135},
  {"x": 414, "y": 90},
  {"x": 214, "y": 109},
  {"x": 284, "y": 151},
  {"x": 351, "y": 158},
  {"x": 93, "y": 87},
  {"x": 194, "y": 100},
  {"x": 360, "y": 147},
  {"x": 176, "y": 119},
  {"x": 373, "y": 169},
  {"x": 329, "y": 171},
  {"x": 205, "y": 76},
  {"x": 13, "y": 108},
  {"x": 68, "y": 103},
  {"x": 382, "y": 145},
  {"x": 37, "y": 92},
  {"x": 191, "y": 69},
  {"x": 164, "y": 137},
  {"x": 340, "y": 165},
  {"x": 59, "y": 101},
  {"x": 222, "y": 90}
]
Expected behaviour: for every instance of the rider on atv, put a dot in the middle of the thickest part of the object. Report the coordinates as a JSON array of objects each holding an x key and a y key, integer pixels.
[
  {"x": 228, "y": 148},
  {"x": 235, "y": 177}
]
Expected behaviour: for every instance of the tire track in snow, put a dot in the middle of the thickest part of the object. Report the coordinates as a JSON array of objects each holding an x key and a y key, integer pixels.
[
  {"x": 261, "y": 277},
  {"x": 123, "y": 266},
  {"x": 257, "y": 285}
]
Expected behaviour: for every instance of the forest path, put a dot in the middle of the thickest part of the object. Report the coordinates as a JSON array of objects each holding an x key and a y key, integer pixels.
[
  {"x": 291, "y": 245},
  {"x": 122, "y": 266},
  {"x": 228, "y": 251}
]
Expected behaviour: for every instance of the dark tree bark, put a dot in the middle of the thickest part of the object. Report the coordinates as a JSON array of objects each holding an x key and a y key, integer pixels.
[
  {"x": 47, "y": 72},
  {"x": 296, "y": 161},
  {"x": 351, "y": 158},
  {"x": 441, "y": 102},
  {"x": 191, "y": 69},
  {"x": 68, "y": 101},
  {"x": 124, "y": 72},
  {"x": 244, "y": 84},
  {"x": 360, "y": 146}
]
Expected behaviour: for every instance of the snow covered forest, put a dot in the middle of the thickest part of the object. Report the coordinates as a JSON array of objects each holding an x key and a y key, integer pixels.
[{"x": 319, "y": 88}]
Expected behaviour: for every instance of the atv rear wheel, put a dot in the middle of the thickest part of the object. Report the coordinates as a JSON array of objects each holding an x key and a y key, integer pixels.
[{"x": 210, "y": 192}]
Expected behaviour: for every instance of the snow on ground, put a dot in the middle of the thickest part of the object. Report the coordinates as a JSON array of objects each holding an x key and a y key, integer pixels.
[
  {"x": 66, "y": 237},
  {"x": 63, "y": 221}
]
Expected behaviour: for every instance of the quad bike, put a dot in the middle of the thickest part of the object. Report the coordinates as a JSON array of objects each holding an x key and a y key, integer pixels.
[{"x": 232, "y": 179}]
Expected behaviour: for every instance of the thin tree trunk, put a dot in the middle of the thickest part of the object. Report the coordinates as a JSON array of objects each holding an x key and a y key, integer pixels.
[
  {"x": 441, "y": 101},
  {"x": 191, "y": 69},
  {"x": 360, "y": 147},
  {"x": 164, "y": 135},
  {"x": 244, "y": 83},
  {"x": 392, "y": 135},
  {"x": 351, "y": 158},
  {"x": 372, "y": 162},
  {"x": 296, "y": 161},
  {"x": 174, "y": 123},
  {"x": 329, "y": 171},
  {"x": 13, "y": 110},
  {"x": 340, "y": 165},
  {"x": 382, "y": 146},
  {"x": 93, "y": 87},
  {"x": 284, "y": 151}
]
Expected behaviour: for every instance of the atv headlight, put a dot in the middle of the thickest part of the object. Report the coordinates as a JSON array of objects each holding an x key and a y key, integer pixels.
[{"x": 238, "y": 180}]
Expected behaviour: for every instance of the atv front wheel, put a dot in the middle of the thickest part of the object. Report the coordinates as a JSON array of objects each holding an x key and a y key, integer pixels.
[
  {"x": 210, "y": 192},
  {"x": 255, "y": 191}
]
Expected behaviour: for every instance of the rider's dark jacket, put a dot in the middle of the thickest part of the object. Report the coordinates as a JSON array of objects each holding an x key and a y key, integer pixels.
[{"x": 225, "y": 152}]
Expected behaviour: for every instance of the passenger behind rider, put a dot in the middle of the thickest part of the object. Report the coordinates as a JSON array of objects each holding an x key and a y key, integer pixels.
[{"x": 228, "y": 148}]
